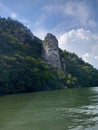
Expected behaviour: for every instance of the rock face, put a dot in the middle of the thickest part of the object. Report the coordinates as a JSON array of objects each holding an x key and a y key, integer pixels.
[{"x": 51, "y": 51}]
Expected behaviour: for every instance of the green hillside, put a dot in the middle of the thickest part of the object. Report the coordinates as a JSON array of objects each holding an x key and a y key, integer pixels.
[
  {"x": 85, "y": 73},
  {"x": 22, "y": 68}
]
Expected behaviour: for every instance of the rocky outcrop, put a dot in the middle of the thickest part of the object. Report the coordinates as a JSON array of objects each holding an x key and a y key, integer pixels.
[{"x": 51, "y": 51}]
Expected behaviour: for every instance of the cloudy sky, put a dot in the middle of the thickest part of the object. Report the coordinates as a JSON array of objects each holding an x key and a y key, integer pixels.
[{"x": 74, "y": 22}]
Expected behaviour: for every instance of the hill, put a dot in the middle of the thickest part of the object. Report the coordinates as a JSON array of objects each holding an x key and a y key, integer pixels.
[
  {"x": 85, "y": 73},
  {"x": 23, "y": 69}
]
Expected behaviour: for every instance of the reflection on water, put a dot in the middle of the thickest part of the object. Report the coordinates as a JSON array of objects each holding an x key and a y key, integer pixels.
[{"x": 74, "y": 109}]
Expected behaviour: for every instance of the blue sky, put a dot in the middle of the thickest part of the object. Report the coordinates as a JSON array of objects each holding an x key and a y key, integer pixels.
[{"x": 74, "y": 22}]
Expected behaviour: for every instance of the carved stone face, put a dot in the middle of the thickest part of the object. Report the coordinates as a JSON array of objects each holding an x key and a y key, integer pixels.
[
  {"x": 52, "y": 51},
  {"x": 54, "y": 56}
]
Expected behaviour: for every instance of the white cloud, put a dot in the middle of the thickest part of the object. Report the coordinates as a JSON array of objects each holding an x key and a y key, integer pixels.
[
  {"x": 41, "y": 20},
  {"x": 77, "y": 10},
  {"x": 91, "y": 58},
  {"x": 83, "y": 43},
  {"x": 24, "y": 20},
  {"x": 76, "y": 38},
  {"x": 13, "y": 15},
  {"x": 5, "y": 11},
  {"x": 86, "y": 57},
  {"x": 96, "y": 57}
]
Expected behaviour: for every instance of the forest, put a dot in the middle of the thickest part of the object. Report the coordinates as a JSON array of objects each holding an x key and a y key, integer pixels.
[{"x": 22, "y": 68}]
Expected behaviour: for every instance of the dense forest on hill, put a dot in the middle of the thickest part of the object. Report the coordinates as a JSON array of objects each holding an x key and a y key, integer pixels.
[
  {"x": 85, "y": 73},
  {"x": 22, "y": 68}
]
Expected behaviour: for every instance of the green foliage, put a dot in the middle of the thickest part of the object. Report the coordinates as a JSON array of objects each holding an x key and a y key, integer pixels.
[
  {"x": 84, "y": 73},
  {"x": 21, "y": 66},
  {"x": 71, "y": 81},
  {"x": 23, "y": 70},
  {"x": 16, "y": 38},
  {"x": 25, "y": 74}
]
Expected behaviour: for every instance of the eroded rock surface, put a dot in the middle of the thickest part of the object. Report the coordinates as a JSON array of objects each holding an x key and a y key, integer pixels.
[{"x": 51, "y": 51}]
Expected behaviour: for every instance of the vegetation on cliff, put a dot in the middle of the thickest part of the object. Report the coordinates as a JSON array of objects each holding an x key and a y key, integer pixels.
[
  {"x": 22, "y": 68},
  {"x": 85, "y": 73}
]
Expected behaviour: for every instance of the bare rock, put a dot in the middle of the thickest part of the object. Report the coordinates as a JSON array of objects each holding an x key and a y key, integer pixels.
[{"x": 51, "y": 51}]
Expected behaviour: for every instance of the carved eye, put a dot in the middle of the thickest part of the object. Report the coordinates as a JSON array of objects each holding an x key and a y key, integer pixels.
[{"x": 49, "y": 51}]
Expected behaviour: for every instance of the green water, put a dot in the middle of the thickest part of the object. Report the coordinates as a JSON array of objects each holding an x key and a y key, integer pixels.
[{"x": 74, "y": 109}]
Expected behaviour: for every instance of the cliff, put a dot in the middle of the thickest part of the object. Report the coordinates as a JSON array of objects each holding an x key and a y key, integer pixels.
[
  {"x": 51, "y": 51},
  {"x": 27, "y": 63}
]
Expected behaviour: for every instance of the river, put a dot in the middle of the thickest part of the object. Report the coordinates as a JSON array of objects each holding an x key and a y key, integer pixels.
[{"x": 70, "y": 109}]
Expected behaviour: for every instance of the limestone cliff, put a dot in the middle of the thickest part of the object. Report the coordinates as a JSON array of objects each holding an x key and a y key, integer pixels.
[{"x": 51, "y": 51}]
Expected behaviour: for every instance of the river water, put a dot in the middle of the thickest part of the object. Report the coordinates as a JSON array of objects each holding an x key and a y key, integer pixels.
[{"x": 70, "y": 109}]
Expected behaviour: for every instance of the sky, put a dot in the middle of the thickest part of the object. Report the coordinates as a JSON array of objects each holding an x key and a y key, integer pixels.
[{"x": 73, "y": 22}]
